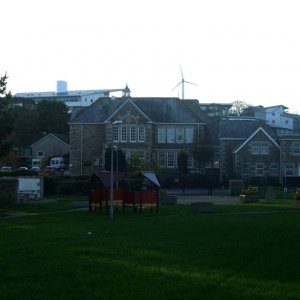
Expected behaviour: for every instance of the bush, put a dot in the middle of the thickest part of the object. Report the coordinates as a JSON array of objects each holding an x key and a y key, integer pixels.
[
  {"x": 249, "y": 191},
  {"x": 297, "y": 194}
]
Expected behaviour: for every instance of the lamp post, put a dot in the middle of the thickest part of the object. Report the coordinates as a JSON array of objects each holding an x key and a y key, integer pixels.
[{"x": 111, "y": 198}]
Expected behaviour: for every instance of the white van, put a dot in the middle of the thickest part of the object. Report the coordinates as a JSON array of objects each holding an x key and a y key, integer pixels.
[{"x": 57, "y": 163}]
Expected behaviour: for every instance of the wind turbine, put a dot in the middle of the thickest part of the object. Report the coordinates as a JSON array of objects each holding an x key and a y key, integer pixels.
[{"x": 182, "y": 82}]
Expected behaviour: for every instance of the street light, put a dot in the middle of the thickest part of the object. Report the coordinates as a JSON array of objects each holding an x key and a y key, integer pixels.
[{"x": 111, "y": 200}]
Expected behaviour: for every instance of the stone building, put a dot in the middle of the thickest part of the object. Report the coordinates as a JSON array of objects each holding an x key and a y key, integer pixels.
[
  {"x": 156, "y": 128},
  {"x": 248, "y": 148}
]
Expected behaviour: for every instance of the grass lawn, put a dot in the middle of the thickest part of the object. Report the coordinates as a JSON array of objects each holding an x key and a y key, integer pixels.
[{"x": 175, "y": 254}]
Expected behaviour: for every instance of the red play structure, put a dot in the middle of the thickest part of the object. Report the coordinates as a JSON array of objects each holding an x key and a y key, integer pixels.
[{"x": 137, "y": 198}]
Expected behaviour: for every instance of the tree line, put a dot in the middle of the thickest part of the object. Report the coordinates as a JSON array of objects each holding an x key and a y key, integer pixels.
[{"x": 25, "y": 117}]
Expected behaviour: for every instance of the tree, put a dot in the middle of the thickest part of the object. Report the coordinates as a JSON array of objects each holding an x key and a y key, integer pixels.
[
  {"x": 204, "y": 150},
  {"x": 26, "y": 121},
  {"x": 119, "y": 159},
  {"x": 238, "y": 107},
  {"x": 52, "y": 117},
  {"x": 6, "y": 118},
  {"x": 182, "y": 163}
]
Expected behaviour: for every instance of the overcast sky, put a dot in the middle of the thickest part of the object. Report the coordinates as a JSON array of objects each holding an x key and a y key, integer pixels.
[{"x": 233, "y": 49}]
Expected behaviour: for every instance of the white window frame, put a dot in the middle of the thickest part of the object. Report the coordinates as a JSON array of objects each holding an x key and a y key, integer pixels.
[
  {"x": 161, "y": 135},
  {"x": 116, "y": 133},
  {"x": 274, "y": 170},
  {"x": 296, "y": 148},
  {"x": 171, "y": 159},
  {"x": 258, "y": 148},
  {"x": 180, "y": 135},
  {"x": 289, "y": 170},
  {"x": 123, "y": 133},
  {"x": 259, "y": 169},
  {"x": 141, "y": 134},
  {"x": 189, "y": 135},
  {"x": 132, "y": 134},
  {"x": 170, "y": 135}
]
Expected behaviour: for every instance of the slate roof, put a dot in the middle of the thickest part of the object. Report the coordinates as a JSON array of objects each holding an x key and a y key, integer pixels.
[
  {"x": 27, "y": 140},
  {"x": 158, "y": 110},
  {"x": 242, "y": 128}
]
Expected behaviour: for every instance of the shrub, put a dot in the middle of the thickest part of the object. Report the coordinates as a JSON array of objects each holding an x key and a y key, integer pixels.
[
  {"x": 297, "y": 194},
  {"x": 249, "y": 191}
]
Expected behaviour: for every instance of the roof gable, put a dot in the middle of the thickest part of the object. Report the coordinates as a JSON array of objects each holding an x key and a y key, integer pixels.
[
  {"x": 260, "y": 129},
  {"x": 50, "y": 135},
  {"x": 127, "y": 104}
]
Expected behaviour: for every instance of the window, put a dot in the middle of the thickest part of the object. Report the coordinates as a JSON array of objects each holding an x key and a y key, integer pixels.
[
  {"x": 189, "y": 135},
  {"x": 259, "y": 169},
  {"x": 40, "y": 154},
  {"x": 123, "y": 134},
  {"x": 190, "y": 161},
  {"x": 171, "y": 159},
  {"x": 179, "y": 135},
  {"x": 274, "y": 170},
  {"x": 289, "y": 170},
  {"x": 296, "y": 148},
  {"x": 170, "y": 135},
  {"x": 161, "y": 135},
  {"x": 260, "y": 148},
  {"x": 115, "y": 134},
  {"x": 132, "y": 134},
  {"x": 141, "y": 134},
  {"x": 161, "y": 159}
]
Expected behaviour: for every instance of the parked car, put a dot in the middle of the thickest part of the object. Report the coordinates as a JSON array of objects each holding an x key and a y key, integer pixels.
[
  {"x": 23, "y": 168},
  {"x": 36, "y": 169},
  {"x": 5, "y": 169},
  {"x": 47, "y": 170}
]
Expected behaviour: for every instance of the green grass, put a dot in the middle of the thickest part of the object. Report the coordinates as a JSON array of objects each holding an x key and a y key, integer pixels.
[{"x": 175, "y": 254}]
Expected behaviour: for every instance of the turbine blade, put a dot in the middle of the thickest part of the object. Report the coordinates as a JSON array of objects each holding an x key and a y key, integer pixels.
[
  {"x": 176, "y": 86},
  {"x": 191, "y": 83},
  {"x": 181, "y": 71}
]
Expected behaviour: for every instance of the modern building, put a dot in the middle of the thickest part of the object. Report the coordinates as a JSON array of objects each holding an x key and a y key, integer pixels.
[{"x": 77, "y": 98}]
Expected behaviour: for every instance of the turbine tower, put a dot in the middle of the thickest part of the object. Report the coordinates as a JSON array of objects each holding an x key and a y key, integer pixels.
[{"x": 182, "y": 82}]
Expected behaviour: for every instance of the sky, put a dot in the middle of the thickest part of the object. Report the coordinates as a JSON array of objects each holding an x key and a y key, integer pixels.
[{"x": 232, "y": 49}]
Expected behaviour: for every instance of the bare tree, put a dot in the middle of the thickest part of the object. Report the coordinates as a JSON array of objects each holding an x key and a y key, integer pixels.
[{"x": 238, "y": 107}]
